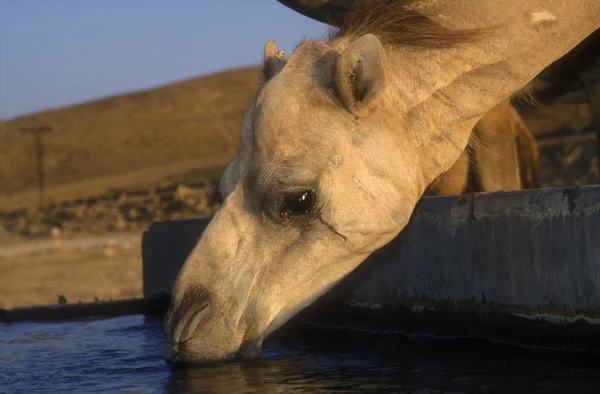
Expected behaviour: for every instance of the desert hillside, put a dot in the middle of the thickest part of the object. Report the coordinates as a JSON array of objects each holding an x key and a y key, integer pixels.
[{"x": 188, "y": 120}]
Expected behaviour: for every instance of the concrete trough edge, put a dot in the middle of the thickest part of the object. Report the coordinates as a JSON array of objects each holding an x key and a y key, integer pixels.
[
  {"x": 462, "y": 323},
  {"x": 101, "y": 309}
]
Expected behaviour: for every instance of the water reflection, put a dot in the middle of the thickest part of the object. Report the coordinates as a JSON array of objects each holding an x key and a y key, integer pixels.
[
  {"x": 345, "y": 361},
  {"x": 126, "y": 355}
]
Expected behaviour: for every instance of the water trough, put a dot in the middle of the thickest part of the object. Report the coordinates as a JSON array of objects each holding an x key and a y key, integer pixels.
[{"x": 521, "y": 267}]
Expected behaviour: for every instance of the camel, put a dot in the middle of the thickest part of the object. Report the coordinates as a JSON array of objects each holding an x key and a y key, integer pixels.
[{"x": 338, "y": 145}]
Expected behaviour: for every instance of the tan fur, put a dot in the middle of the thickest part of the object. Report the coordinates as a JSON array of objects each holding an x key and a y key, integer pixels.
[
  {"x": 529, "y": 160},
  {"x": 257, "y": 265},
  {"x": 395, "y": 23},
  {"x": 454, "y": 181},
  {"x": 502, "y": 155}
]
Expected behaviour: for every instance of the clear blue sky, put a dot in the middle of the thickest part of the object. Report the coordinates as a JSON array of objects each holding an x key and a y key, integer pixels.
[{"x": 57, "y": 52}]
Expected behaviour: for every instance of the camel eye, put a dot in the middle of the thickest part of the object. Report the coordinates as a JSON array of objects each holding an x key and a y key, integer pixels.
[{"x": 297, "y": 204}]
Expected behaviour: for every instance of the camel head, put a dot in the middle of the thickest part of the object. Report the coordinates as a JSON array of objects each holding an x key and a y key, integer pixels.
[
  {"x": 336, "y": 148},
  {"x": 313, "y": 190}
]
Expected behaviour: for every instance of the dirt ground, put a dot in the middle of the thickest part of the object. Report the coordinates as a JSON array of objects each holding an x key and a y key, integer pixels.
[{"x": 63, "y": 272}]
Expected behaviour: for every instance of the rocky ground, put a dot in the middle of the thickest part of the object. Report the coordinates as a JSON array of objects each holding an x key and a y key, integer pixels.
[
  {"x": 117, "y": 211},
  {"x": 83, "y": 269}
]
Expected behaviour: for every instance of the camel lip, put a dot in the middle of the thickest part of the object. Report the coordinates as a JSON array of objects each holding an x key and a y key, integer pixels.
[
  {"x": 172, "y": 354},
  {"x": 176, "y": 356},
  {"x": 274, "y": 325},
  {"x": 250, "y": 350}
]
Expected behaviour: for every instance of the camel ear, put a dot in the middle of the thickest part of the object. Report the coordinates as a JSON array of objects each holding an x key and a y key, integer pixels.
[
  {"x": 359, "y": 74},
  {"x": 273, "y": 62}
]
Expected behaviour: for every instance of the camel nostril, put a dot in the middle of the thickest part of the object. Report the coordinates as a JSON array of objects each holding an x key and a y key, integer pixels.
[
  {"x": 193, "y": 322},
  {"x": 187, "y": 318}
]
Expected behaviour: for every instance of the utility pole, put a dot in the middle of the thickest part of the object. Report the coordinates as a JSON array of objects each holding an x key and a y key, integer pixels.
[{"x": 39, "y": 152}]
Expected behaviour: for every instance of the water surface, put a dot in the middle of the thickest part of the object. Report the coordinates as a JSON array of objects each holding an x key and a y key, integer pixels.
[{"x": 125, "y": 354}]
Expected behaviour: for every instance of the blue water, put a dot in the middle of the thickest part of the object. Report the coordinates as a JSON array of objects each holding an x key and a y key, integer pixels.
[{"x": 125, "y": 354}]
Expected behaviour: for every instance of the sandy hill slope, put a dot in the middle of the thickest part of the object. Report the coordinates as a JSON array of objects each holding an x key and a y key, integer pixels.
[{"x": 196, "y": 119}]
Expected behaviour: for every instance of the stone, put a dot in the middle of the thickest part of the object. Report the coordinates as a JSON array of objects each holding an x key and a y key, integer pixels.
[{"x": 183, "y": 192}]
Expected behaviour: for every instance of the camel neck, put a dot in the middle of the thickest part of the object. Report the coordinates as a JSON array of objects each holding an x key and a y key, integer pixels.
[{"x": 449, "y": 89}]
